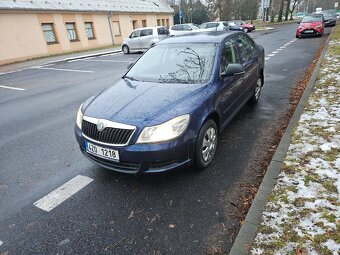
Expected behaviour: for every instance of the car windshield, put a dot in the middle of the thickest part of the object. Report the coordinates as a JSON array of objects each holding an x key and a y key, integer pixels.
[
  {"x": 175, "y": 63},
  {"x": 308, "y": 19}
]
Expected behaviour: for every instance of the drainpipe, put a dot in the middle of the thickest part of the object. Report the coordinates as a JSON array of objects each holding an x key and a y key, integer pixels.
[{"x": 110, "y": 25}]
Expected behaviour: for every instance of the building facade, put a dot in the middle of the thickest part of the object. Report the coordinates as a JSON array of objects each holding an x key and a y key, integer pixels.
[{"x": 37, "y": 28}]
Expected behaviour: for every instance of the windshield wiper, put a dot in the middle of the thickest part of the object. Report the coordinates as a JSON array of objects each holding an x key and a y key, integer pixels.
[{"x": 130, "y": 78}]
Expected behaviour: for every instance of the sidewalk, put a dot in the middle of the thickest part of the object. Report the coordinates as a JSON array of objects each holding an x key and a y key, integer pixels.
[
  {"x": 46, "y": 60},
  {"x": 302, "y": 213}
]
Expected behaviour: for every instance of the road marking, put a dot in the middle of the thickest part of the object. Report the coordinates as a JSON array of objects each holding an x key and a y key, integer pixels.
[
  {"x": 59, "y": 69},
  {"x": 65, "y": 191},
  {"x": 105, "y": 60},
  {"x": 282, "y": 47},
  {"x": 14, "y": 88},
  {"x": 271, "y": 55},
  {"x": 1, "y": 243},
  {"x": 275, "y": 52},
  {"x": 278, "y": 50},
  {"x": 267, "y": 58}
]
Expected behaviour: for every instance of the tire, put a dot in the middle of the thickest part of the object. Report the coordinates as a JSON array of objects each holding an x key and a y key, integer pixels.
[
  {"x": 245, "y": 30},
  {"x": 206, "y": 145},
  {"x": 297, "y": 36},
  {"x": 126, "y": 49},
  {"x": 257, "y": 91}
]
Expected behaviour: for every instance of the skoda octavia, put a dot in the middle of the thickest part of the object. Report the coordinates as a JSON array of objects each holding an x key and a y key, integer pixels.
[{"x": 166, "y": 112}]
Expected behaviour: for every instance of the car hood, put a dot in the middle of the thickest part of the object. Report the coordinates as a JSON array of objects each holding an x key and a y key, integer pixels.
[
  {"x": 310, "y": 24},
  {"x": 137, "y": 103}
]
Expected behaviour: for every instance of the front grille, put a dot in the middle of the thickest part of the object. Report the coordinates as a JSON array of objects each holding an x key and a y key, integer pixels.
[{"x": 109, "y": 135}]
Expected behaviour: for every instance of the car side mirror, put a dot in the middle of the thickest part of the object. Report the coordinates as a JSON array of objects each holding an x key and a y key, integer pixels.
[
  {"x": 233, "y": 70},
  {"x": 130, "y": 65}
]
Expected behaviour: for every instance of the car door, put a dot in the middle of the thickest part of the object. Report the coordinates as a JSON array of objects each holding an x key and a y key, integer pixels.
[
  {"x": 162, "y": 33},
  {"x": 134, "y": 40},
  {"x": 250, "y": 62},
  {"x": 229, "y": 90},
  {"x": 145, "y": 39}
]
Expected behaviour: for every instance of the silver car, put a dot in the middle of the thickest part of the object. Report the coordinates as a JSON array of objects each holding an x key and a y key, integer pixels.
[{"x": 144, "y": 38}]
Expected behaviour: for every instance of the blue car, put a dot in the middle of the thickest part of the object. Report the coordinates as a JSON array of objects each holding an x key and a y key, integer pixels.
[{"x": 167, "y": 111}]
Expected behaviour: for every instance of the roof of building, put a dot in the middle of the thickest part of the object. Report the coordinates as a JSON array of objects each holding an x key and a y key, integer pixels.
[{"x": 131, "y": 6}]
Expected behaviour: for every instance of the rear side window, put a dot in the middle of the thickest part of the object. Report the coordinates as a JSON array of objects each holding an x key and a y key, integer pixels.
[
  {"x": 246, "y": 47},
  {"x": 162, "y": 31},
  {"x": 210, "y": 25},
  {"x": 146, "y": 32},
  {"x": 177, "y": 27},
  {"x": 186, "y": 27}
]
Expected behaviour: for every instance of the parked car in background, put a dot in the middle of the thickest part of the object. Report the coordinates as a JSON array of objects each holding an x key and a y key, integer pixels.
[
  {"x": 330, "y": 19},
  {"x": 311, "y": 25},
  {"x": 240, "y": 25},
  {"x": 182, "y": 29},
  {"x": 214, "y": 26},
  {"x": 167, "y": 111},
  {"x": 143, "y": 38}
]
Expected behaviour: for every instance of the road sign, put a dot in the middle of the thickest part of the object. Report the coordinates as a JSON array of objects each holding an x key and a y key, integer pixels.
[
  {"x": 180, "y": 13},
  {"x": 336, "y": 4}
]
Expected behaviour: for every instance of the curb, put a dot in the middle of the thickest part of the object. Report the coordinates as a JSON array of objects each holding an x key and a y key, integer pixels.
[
  {"x": 84, "y": 56},
  {"x": 248, "y": 230}
]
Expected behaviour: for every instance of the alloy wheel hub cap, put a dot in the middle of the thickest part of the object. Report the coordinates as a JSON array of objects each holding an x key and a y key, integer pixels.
[{"x": 209, "y": 144}]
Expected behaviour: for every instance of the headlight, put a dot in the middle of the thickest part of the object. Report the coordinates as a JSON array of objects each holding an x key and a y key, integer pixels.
[
  {"x": 166, "y": 131},
  {"x": 80, "y": 117},
  {"x": 319, "y": 26}
]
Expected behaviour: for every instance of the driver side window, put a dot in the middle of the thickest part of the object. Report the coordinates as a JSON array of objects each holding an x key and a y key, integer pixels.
[
  {"x": 229, "y": 56},
  {"x": 135, "y": 34}
]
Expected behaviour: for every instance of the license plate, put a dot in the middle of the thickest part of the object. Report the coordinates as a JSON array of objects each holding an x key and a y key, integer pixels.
[
  {"x": 102, "y": 152},
  {"x": 309, "y": 31}
]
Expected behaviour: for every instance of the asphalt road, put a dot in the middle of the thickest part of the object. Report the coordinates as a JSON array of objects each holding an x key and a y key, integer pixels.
[{"x": 175, "y": 213}]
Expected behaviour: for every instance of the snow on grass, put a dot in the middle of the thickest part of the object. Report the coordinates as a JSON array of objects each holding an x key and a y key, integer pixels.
[{"x": 302, "y": 215}]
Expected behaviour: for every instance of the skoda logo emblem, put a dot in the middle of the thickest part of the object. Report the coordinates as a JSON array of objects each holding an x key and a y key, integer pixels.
[{"x": 100, "y": 126}]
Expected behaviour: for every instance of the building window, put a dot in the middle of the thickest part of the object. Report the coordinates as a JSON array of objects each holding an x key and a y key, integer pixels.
[
  {"x": 158, "y": 22},
  {"x": 89, "y": 30},
  {"x": 167, "y": 23},
  {"x": 143, "y": 23},
  {"x": 71, "y": 31},
  {"x": 134, "y": 24},
  {"x": 49, "y": 33},
  {"x": 116, "y": 28},
  {"x": 163, "y": 22}
]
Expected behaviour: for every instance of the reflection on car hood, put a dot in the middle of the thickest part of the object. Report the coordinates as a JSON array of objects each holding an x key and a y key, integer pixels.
[
  {"x": 310, "y": 24},
  {"x": 137, "y": 103}
]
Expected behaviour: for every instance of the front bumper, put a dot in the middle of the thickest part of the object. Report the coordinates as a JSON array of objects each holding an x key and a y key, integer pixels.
[
  {"x": 306, "y": 33},
  {"x": 144, "y": 158}
]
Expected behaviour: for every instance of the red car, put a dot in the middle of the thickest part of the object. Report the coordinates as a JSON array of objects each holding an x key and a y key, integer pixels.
[
  {"x": 311, "y": 25},
  {"x": 240, "y": 25}
]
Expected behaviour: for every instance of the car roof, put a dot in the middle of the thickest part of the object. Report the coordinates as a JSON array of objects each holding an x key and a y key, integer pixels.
[
  {"x": 204, "y": 37},
  {"x": 141, "y": 28}
]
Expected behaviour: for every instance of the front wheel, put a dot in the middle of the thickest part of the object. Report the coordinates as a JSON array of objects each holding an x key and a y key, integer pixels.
[
  {"x": 245, "y": 30},
  {"x": 257, "y": 91},
  {"x": 126, "y": 49},
  {"x": 206, "y": 145}
]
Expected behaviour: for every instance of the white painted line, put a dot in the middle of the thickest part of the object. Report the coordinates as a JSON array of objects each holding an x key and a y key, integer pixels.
[
  {"x": 279, "y": 50},
  {"x": 275, "y": 52},
  {"x": 13, "y": 71},
  {"x": 267, "y": 58},
  {"x": 105, "y": 60},
  {"x": 14, "y": 88},
  {"x": 107, "y": 53},
  {"x": 1, "y": 243},
  {"x": 271, "y": 55},
  {"x": 282, "y": 47},
  {"x": 65, "y": 70},
  {"x": 65, "y": 191}
]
